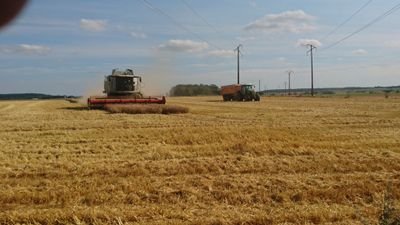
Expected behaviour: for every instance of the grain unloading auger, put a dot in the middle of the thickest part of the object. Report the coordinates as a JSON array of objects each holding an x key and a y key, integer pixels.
[{"x": 122, "y": 87}]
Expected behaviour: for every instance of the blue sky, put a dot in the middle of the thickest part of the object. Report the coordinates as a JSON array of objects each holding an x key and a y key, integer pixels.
[{"x": 66, "y": 47}]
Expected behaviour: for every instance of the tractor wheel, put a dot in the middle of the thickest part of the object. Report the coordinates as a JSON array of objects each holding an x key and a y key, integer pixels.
[{"x": 238, "y": 97}]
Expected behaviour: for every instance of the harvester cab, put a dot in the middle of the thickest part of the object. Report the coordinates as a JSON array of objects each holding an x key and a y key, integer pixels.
[
  {"x": 122, "y": 87},
  {"x": 121, "y": 83}
]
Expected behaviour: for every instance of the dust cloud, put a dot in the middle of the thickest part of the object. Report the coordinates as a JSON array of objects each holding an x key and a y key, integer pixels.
[
  {"x": 158, "y": 77},
  {"x": 94, "y": 87}
]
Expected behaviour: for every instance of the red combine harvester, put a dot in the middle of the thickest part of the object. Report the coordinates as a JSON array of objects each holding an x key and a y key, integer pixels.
[{"x": 122, "y": 87}]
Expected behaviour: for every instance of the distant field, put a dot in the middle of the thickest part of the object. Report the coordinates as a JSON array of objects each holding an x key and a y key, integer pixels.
[{"x": 278, "y": 161}]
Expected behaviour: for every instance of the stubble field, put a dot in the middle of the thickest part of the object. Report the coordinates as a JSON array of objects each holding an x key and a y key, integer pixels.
[{"x": 278, "y": 161}]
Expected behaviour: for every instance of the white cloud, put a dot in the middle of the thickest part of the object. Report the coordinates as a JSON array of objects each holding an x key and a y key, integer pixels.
[
  {"x": 290, "y": 21},
  {"x": 32, "y": 49},
  {"x": 138, "y": 35},
  {"x": 244, "y": 39},
  {"x": 359, "y": 52},
  {"x": 93, "y": 25},
  {"x": 253, "y": 3},
  {"x": 222, "y": 53},
  {"x": 305, "y": 42},
  {"x": 392, "y": 44},
  {"x": 26, "y": 49},
  {"x": 6, "y": 50},
  {"x": 183, "y": 46}
]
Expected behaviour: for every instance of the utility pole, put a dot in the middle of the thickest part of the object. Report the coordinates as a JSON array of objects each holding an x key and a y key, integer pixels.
[
  {"x": 290, "y": 72},
  {"x": 238, "y": 62},
  {"x": 312, "y": 47},
  {"x": 259, "y": 85},
  {"x": 285, "y": 88}
]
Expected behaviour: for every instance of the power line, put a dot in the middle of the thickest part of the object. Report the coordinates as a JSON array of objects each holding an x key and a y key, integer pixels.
[
  {"x": 198, "y": 15},
  {"x": 377, "y": 19},
  {"x": 161, "y": 12},
  {"x": 202, "y": 18},
  {"x": 347, "y": 20}
]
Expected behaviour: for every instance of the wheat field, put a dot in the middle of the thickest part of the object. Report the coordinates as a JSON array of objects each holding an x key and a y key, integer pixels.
[{"x": 279, "y": 161}]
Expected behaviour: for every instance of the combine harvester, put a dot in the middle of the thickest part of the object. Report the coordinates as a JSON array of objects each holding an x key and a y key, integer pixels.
[{"x": 122, "y": 87}]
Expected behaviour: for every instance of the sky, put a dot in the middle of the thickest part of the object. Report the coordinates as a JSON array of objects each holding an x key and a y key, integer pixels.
[{"x": 67, "y": 47}]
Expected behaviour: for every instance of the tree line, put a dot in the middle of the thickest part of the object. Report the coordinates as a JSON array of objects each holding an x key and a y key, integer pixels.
[{"x": 27, "y": 96}]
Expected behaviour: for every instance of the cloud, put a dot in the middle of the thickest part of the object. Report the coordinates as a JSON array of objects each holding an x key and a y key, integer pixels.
[
  {"x": 244, "y": 39},
  {"x": 359, "y": 52},
  {"x": 183, "y": 46},
  {"x": 253, "y": 3},
  {"x": 305, "y": 42},
  {"x": 222, "y": 53},
  {"x": 139, "y": 35},
  {"x": 32, "y": 49},
  {"x": 93, "y": 25},
  {"x": 392, "y": 44},
  {"x": 290, "y": 21},
  {"x": 26, "y": 49}
]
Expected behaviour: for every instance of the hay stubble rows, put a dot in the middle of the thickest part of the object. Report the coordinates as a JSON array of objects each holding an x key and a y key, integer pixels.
[{"x": 283, "y": 160}]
